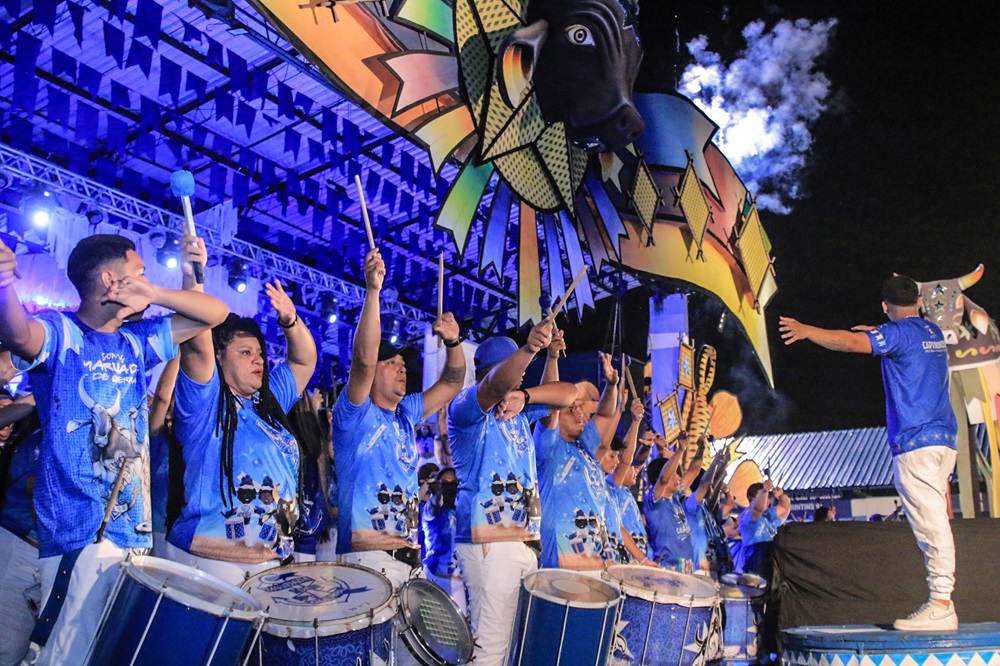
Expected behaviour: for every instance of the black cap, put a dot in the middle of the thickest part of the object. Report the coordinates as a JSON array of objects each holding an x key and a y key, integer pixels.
[{"x": 387, "y": 350}]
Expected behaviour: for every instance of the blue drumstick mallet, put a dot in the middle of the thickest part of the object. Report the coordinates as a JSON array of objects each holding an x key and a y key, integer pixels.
[{"x": 182, "y": 184}]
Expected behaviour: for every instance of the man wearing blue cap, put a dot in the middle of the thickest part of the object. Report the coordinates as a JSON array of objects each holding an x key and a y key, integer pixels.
[
  {"x": 490, "y": 428},
  {"x": 375, "y": 446}
]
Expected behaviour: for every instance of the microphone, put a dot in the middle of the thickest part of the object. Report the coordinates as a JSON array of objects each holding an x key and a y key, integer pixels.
[{"x": 182, "y": 184}]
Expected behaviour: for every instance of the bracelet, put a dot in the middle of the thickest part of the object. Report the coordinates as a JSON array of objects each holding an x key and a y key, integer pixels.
[
  {"x": 527, "y": 396},
  {"x": 287, "y": 326},
  {"x": 452, "y": 344}
]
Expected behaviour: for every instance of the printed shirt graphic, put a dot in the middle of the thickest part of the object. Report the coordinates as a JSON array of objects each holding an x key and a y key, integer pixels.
[
  {"x": 495, "y": 461},
  {"x": 915, "y": 376},
  {"x": 574, "y": 499},
  {"x": 265, "y": 473},
  {"x": 614, "y": 548},
  {"x": 761, "y": 530},
  {"x": 16, "y": 515},
  {"x": 376, "y": 456},
  {"x": 628, "y": 508},
  {"x": 669, "y": 534},
  {"x": 440, "y": 557},
  {"x": 697, "y": 515},
  {"x": 90, "y": 388}
]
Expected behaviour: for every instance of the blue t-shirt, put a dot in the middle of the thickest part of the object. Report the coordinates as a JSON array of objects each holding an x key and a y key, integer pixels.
[
  {"x": 697, "y": 517},
  {"x": 16, "y": 515},
  {"x": 628, "y": 508},
  {"x": 761, "y": 530},
  {"x": 669, "y": 533},
  {"x": 159, "y": 458},
  {"x": 574, "y": 499},
  {"x": 918, "y": 410},
  {"x": 440, "y": 557},
  {"x": 375, "y": 452},
  {"x": 614, "y": 548},
  {"x": 90, "y": 391},
  {"x": 495, "y": 461},
  {"x": 265, "y": 473}
]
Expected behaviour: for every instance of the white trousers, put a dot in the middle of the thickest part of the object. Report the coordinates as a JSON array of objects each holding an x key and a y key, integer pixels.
[
  {"x": 493, "y": 573},
  {"x": 454, "y": 586},
  {"x": 921, "y": 479},
  {"x": 90, "y": 585},
  {"x": 20, "y": 596},
  {"x": 233, "y": 573}
]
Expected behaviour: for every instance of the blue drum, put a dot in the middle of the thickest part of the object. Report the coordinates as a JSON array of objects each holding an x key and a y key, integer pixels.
[
  {"x": 162, "y": 612},
  {"x": 666, "y": 617},
  {"x": 322, "y": 613},
  {"x": 564, "y": 618},
  {"x": 742, "y": 600}
]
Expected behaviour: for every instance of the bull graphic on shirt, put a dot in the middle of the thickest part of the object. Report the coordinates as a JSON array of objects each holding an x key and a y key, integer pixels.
[{"x": 114, "y": 448}]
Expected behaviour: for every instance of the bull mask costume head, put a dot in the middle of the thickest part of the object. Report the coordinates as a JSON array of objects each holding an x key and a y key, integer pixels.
[{"x": 581, "y": 57}]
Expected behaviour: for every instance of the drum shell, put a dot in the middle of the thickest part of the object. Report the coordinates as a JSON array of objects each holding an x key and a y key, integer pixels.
[
  {"x": 743, "y": 609},
  {"x": 539, "y": 624},
  {"x": 130, "y": 611},
  {"x": 353, "y": 647}
]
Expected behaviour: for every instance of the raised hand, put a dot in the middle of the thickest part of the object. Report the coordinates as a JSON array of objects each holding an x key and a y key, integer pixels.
[
  {"x": 133, "y": 293},
  {"x": 374, "y": 270},
  {"x": 539, "y": 337},
  {"x": 8, "y": 265},
  {"x": 192, "y": 251},
  {"x": 610, "y": 374},
  {"x": 446, "y": 328},
  {"x": 638, "y": 409},
  {"x": 281, "y": 303},
  {"x": 557, "y": 345}
]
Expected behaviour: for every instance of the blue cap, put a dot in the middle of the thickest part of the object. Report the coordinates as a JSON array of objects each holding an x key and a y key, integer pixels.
[{"x": 494, "y": 350}]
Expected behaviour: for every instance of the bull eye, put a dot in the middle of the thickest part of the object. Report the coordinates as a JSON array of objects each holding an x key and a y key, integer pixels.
[{"x": 579, "y": 35}]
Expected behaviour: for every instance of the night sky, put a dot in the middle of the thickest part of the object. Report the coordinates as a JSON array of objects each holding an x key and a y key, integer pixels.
[{"x": 903, "y": 176}]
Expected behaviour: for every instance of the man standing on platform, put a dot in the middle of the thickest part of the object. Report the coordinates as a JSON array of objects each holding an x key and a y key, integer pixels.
[{"x": 922, "y": 430}]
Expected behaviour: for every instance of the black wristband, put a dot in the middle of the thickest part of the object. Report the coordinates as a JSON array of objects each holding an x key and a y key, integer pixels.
[
  {"x": 452, "y": 344},
  {"x": 294, "y": 322},
  {"x": 527, "y": 396}
]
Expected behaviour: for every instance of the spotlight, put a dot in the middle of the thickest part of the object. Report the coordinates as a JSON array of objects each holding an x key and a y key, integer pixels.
[
  {"x": 38, "y": 205},
  {"x": 169, "y": 255},
  {"x": 329, "y": 308},
  {"x": 394, "y": 332},
  {"x": 238, "y": 272}
]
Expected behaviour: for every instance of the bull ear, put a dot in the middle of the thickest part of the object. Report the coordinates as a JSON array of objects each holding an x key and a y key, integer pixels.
[
  {"x": 972, "y": 278},
  {"x": 517, "y": 58}
]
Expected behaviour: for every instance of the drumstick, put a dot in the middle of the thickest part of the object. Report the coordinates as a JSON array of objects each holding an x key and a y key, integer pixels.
[
  {"x": 565, "y": 298},
  {"x": 631, "y": 384},
  {"x": 440, "y": 290},
  {"x": 111, "y": 501},
  {"x": 364, "y": 212}
]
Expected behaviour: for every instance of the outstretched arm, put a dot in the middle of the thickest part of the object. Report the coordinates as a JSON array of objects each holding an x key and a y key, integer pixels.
[
  {"x": 453, "y": 376},
  {"x": 662, "y": 488},
  {"x": 691, "y": 473},
  {"x": 784, "y": 504},
  {"x": 762, "y": 501},
  {"x": 854, "y": 340},
  {"x": 551, "y": 372},
  {"x": 161, "y": 398},
  {"x": 508, "y": 373},
  {"x": 631, "y": 441},
  {"x": 302, "y": 354},
  {"x": 364, "y": 357},
  {"x": 21, "y": 334}
]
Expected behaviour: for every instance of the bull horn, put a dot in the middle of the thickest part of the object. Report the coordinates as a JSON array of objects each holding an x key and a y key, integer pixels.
[
  {"x": 88, "y": 402},
  {"x": 972, "y": 278},
  {"x": 115, "y": 408},
  {"x": 516, "y": 64}
]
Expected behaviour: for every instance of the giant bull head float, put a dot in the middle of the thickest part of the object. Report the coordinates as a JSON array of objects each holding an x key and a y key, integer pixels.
[
  {"x": 971, "y": 336},
  {"x": 581, "y": 57}
]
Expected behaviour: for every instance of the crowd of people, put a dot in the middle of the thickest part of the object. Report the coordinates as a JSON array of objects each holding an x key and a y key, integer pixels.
[{"x": 231, "y": 466}]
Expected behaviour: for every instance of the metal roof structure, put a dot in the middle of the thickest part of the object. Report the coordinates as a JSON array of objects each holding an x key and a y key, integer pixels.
[{"x": 837, "y": 460}]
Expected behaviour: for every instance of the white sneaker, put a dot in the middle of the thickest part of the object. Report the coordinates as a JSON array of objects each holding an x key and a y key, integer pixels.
[{"x": 929, "y": 617}]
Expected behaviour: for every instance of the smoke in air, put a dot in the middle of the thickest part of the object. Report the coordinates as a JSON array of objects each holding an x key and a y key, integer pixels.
[{"x": 765, "y": 102}]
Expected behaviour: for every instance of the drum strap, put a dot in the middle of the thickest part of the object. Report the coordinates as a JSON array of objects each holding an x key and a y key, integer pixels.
[{"x": 47, "y": 619}]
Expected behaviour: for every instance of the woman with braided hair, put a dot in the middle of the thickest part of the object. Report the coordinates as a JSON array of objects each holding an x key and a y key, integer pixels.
[{"x": 242, "y": 477}]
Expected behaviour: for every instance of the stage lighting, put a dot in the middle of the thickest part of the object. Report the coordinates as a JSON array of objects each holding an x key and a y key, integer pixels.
[
  {"x": 238, "y": 273},
  {"x": 169, "y": 255},
  {"x": 38, "y": 205},
  {"x": 329, "y": 308},
  {"x": 394, "y": 332}
]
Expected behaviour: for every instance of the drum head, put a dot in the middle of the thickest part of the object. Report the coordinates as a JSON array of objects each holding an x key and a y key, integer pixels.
[
  {"x": 569, "y": 588},
  {"x": 434, "y": 621},
  {"x": 742, "y": 585},
  {"x": 321, "y": 598},
  {"x": 662, "y": 586},
  {"x": 191, "y": 587}
]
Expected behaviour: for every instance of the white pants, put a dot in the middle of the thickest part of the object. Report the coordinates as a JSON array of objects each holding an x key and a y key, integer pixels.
[
  {"x": 493, "y": 573},
  {"x": 233, "y": 573},
  {"x": 454, "y": 586},
  {"x": 90, "y": 584},
  {"x": 20, "y": 596},
  {"x": 921, "y": 479},
  {"x": 397, "y": 572}
]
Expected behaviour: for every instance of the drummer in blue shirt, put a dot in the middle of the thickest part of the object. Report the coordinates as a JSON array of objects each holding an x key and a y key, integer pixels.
[
  {"x": 375, "y": 446},
  {"x": 669, "y": 532}
]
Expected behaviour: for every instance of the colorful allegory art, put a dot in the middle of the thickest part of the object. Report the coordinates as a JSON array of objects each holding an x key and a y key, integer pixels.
[{"x": 534, "y": 102}]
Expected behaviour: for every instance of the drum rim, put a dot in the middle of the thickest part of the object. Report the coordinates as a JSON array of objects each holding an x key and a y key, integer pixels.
[
  {"x": 566, "y": 602},
  {"x": 630, "y": 590},
  {"x": 409, "y": 632},
  {"x": 131, "y": 568},
  {"x": 380, "y": 614}
]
